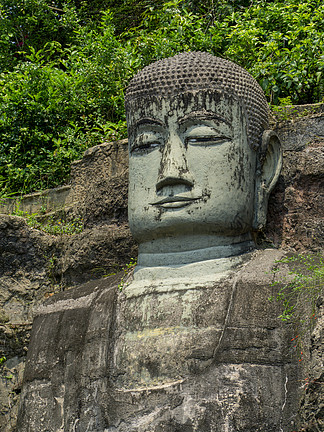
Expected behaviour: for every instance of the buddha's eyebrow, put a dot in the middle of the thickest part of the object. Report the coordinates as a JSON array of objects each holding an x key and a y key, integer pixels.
[
  {"x": 149, "y": 121},
  {"x": 202, "y": 115}
]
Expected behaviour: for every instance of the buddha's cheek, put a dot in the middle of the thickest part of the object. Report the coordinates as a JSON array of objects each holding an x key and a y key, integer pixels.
[{"x": 225, "y": 175}]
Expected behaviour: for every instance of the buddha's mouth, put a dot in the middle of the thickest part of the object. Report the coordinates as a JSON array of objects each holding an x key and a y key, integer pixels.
[{"x": 176, "y": 201}]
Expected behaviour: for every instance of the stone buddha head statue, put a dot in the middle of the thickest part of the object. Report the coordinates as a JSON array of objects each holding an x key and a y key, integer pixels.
[{"x": 202, "y": 160}]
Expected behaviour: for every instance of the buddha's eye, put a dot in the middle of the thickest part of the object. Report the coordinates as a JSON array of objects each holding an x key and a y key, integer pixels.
[
  {"x": 146, "y": 142},
  {"x": 207, "y": 135},
  {"x": 145, "y": 147},
  {"x": 206, "y": 140}
]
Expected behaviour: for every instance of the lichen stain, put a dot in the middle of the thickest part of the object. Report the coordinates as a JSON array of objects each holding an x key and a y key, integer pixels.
[{"x": 156, "y": 332}]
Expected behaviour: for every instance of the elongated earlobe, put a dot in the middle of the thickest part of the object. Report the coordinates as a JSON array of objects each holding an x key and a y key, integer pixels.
[{"x": 267, "y": 176}]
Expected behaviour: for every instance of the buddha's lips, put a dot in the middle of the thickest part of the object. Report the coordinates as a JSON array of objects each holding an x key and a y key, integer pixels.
[{"x": 174, "y": 201}]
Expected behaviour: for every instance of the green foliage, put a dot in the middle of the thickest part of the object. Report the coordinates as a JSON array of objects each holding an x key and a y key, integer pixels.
[
  {"x": 51, "y": 225},
  {"x": 299, "y": 294},
  {"x": 52, "y": 110},
  {"x": 28, "y": 25},
  {"x": 128, "y": 14},
  {"x": 128, "y": 270},
  {"x": 64, "y": 67},
  {"x": 3, "y": 375},
  {"x": 172, "y": 29},
  {"x": 281, "y": 43},
  {"x": 300, "y": 291}
]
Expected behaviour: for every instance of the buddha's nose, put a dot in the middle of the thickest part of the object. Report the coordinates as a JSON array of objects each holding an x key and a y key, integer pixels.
[{"x": 174, "y": 175}]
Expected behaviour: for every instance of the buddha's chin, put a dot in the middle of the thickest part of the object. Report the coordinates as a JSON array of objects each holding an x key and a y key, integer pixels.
[{"x": 179, "y": 228}]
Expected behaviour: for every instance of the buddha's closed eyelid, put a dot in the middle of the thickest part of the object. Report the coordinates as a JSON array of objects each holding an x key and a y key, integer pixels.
[
  {"x": 146, "y": 142},
  {"x": 144, "y": 148},
  {"x": 207, "y": 140},
  {"x": 206, "y": 135}
]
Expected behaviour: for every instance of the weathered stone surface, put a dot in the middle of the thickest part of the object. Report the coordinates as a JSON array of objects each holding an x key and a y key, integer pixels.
[
  {"x": 94, "y": 253},
  {"x": 70, "y": 343},
  {"x": 34, "y": 265},
  {"x": 296, "y": 207},
  {"x": 296, "y": 134},
  {"x": 11, "y": 377},
  {"x": 312, "y": 393},
  {"x": 100, "y": 362},
  {"x": 24, "y": 280},
  {"x": 99, "y": 183},
  {"x": 49, "y": 200}
]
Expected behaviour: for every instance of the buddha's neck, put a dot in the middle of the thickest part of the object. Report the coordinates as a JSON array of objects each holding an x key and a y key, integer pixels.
[
  {"x": 183, "y": 250},
  {"x": 173, "y": 264}
]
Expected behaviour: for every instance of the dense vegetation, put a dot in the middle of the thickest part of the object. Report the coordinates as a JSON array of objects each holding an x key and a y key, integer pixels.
[{"x": 64, "y": 67}]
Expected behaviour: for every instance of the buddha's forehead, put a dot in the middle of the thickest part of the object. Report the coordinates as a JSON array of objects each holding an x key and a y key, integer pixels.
[
  {"x": 179, "y": 106},
  {"x": 195, "y": 71}
]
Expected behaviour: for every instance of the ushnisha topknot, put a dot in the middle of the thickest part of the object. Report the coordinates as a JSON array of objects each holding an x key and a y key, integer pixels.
[{"x": 192, "y": 71}]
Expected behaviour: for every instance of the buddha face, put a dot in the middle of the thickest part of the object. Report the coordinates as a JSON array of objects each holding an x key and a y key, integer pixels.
[{"x": 192, "y": 170}]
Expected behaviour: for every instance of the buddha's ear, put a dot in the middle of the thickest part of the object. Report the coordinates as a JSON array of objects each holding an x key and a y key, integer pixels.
[{"x": 267, "y": 175}]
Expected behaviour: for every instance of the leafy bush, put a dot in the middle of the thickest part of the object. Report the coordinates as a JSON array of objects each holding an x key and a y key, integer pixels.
[
  {"x": 302, "y": 288},
  {"x": 300, "y": 294},
  {"x": 281, "y": 43},
  {"x": 27, "y": 25},
  {"x": 52, "y": 110}
]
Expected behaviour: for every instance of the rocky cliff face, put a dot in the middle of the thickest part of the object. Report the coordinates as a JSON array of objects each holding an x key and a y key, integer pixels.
[{"x": 34, "y": 265}]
